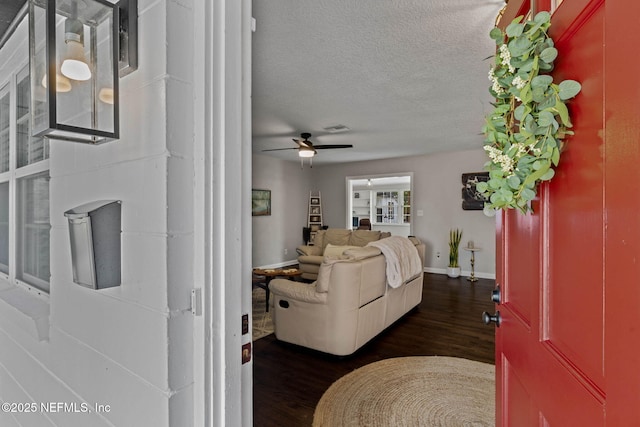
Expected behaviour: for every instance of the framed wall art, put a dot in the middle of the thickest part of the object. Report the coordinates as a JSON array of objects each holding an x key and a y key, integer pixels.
[
  {"x": 260, "y": 202},
  {"x": 472, "y": 200}
]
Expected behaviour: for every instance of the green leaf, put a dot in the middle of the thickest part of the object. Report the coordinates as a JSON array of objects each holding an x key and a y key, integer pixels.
[
  {"x": 538, "y": 94},
  {"x": 568, "y": 89},
  {"x": 506, "y": 195},
  {"x": 541, "y": 82},
  {"x": 549, "y": 54},
  {"x": 555, "y": 158},
  {"x": 495, "y": 199},
  {"x": 494, "y": 183},
  {"x": 495, "y": 174},
  {"x": 518, "y": 113},
  {"x": 548, "y": 175},
  {"x": 545, "y": 118},
  {"x": 545, "y": 66},
  {"x": 542, "y": 17},
  {"x": 525, "y": 94},
  {"x": 527, "y": 194},
  {"x": 514, "y": 29},
  {"x": 531, "y": 179},
  {"x": 524, "y": 65},
  {"x": 549, "y": 142},
  {"x": 519, "y": 46},
  {"x": 534, "y": 27},
  {"x": 548, "y": 102},
  {"x": 497, "y": 35},
  {"x": 482, "y": 187},
  {"x": 513, "y": 182},
  {"x": 563, "y": 112}
]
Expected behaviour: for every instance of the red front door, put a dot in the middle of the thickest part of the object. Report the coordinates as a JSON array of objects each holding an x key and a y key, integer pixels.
[{"x": 568, "y": 346}]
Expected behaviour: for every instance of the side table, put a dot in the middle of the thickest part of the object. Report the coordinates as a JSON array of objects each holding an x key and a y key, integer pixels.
[
  {"x": 473, "y": 251},
  {"x": 271, "y": 273}
]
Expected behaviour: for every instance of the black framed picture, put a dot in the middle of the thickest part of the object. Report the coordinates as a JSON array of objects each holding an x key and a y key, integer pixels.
[
  {"x": 260, "y": 202},
  {"x": 472, "y": 200},
  {"x": 315, "y": 201}
]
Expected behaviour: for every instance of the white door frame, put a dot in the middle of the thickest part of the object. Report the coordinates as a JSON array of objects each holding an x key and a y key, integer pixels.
[{"x": 224, "y": 395}]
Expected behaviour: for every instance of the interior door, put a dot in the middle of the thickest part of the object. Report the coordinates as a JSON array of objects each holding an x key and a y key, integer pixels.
[{"x": 568, "y": 344}]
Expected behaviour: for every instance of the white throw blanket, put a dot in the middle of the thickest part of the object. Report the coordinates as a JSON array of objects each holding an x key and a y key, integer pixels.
[{"x": 403, "y": 261}]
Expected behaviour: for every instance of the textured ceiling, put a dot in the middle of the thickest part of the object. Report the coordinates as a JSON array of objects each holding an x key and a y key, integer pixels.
[
  {"x": 408, "y": 77},
  {"x": 8, "y": 11}
]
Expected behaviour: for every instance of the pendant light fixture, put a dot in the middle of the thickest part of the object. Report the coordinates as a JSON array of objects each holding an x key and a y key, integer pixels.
[{"x": 78, "y": 50}]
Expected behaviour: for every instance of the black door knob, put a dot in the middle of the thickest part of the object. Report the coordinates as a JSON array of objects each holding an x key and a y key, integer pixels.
[
  {"x": 488, "y": 318},
  {"x": 496, "y": 296}
]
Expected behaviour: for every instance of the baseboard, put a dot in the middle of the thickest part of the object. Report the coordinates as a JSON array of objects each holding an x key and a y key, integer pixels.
[{"x": 479, "y": 275}]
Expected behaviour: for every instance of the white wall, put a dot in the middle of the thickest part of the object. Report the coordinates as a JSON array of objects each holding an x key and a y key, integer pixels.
[
  {"x": 290, "y": 186},
  {"x": 129, "y": 347},
  {"x": 437, "y": 185}
]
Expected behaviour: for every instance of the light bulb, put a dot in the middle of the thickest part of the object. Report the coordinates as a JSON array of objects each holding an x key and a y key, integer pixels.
[
  {"x": 75, "y": 65},
  {"x": 62, "y": 83},
  {"x": 306, "y": 152},
  {"x": 106, "y": 95}
]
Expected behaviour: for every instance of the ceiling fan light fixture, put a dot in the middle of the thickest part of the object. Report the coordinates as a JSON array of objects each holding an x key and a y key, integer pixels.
[{"x": 306, "y": 152}]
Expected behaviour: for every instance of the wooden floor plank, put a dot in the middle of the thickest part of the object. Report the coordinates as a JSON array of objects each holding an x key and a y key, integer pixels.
[{"x": 289, "y": 380}]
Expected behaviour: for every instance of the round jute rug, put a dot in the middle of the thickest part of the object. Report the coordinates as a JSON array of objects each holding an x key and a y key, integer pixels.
[{"x": 411, "y": 391}]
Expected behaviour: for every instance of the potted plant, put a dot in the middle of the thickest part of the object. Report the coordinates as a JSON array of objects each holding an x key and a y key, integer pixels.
[{"x": 455, "y": 235}]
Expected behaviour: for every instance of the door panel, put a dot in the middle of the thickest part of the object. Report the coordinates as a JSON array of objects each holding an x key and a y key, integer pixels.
[
  {"x": 573, "y": 214},
  {"x": 521, "y": 413},
  {"x": 523, "y": 259}
]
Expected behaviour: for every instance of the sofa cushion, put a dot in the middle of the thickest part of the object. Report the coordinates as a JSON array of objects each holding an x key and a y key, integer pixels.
[
  {"x": 362, "y": 237},
  {"x": 335, "y": 250},
  {"x": 324, "y": 274},
  {"x": 336, "y": 236}
]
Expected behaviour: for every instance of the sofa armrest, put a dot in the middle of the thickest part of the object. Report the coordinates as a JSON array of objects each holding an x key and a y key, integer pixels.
[
  {"x": 310, "y": 259},
  {"x": 309, "y": 250},
  {"x": 297, "y": 291}
]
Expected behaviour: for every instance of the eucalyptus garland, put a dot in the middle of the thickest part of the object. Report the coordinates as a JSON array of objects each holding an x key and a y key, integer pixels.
[{"x": 525, "y": 130}]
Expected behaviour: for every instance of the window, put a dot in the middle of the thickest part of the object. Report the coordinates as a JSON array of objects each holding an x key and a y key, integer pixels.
[
  {"x": 4, "y": 227},
  {"x": 24, "y": 190},
  {"x": 4, "y": 129},
  {"x": 387, "y": 207}
]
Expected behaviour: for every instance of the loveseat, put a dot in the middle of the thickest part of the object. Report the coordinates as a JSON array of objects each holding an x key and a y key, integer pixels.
[
  {"x": 311, "y": 256},
  {"x": 350, "y": 303}
]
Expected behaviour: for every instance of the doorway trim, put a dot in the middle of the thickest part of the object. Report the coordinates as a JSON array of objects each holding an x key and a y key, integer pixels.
[{"x": 349, "y": 190}]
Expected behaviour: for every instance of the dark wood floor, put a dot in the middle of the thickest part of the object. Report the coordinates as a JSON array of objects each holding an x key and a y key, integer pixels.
[{"x": 289, "y": 380}]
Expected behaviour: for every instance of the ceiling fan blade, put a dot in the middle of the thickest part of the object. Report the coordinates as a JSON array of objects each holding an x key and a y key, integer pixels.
[
  {"x": 279, "y": 149},
  {"x": 326, "y": 146},
  {"x": 303, "y": 143}
]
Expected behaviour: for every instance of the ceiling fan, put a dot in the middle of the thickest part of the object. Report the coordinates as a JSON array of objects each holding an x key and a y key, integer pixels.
[{"x": 307, "y": 149}]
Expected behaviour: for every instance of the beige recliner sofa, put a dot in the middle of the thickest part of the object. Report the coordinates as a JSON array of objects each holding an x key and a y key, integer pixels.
[
  {"x": 347, "y": 306},
  {"x": 311, "y": 256}
]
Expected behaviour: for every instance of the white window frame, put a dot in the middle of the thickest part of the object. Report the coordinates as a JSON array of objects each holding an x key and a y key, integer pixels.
[{"x": 12, "y": 176}]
